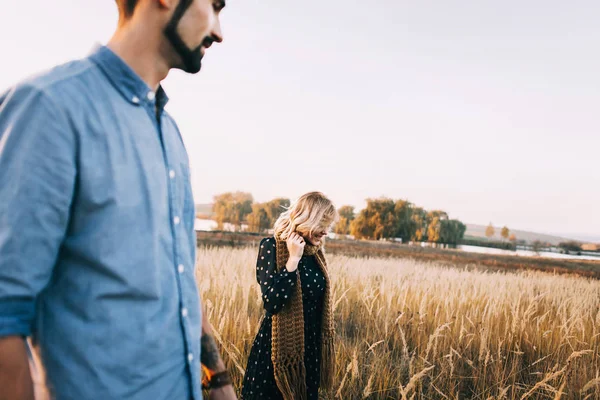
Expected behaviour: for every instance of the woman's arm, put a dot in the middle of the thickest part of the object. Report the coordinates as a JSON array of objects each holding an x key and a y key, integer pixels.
[{"x": 276, "y": 286}]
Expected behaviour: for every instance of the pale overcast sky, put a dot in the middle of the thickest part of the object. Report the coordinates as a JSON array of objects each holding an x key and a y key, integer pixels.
[{"x": 485, "y": 109}]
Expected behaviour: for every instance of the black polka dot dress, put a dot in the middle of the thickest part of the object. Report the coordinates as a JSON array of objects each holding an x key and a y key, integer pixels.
[{"x": 276, "y": 288}]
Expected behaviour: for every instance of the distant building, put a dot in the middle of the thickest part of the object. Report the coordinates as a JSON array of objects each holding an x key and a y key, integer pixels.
[{"x": 590, "y": 247}]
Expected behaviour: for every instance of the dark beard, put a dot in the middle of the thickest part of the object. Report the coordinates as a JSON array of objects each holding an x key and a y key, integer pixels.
[{"x": 191, "y": 58}]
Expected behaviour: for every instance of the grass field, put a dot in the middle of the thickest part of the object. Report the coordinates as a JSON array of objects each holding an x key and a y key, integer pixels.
[
  {"x": 416, "y": 329},
  {"x": 447, "y": 257}
]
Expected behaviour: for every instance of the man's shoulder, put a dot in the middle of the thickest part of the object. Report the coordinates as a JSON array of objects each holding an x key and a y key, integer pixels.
[{"x": 55, "y": 80}]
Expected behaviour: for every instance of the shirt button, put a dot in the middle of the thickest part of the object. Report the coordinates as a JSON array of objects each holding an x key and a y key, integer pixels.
[
  {"x": 176, "y": 220},
  {"x": 190, "y": 357},
  {"x": 181, "y": 268},
  {"x": 172, "y": 174},
  {"x": 150, "y": 96},
  {"x": 135, "y": 99},
  {"x": 184, "y": 312}
]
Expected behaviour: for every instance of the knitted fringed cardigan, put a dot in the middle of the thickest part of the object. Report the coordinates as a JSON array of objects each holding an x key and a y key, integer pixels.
[{"x": 287, "y": 341}]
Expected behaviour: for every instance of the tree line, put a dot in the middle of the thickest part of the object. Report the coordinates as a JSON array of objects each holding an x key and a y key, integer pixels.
[
  {"x": 382, "y": 218},
  {"x": 386, "y": 218},
  {"x": 239, "y": 208},
  {"x": 505, "y": 233},
  {"x": 568, "y": 247}
]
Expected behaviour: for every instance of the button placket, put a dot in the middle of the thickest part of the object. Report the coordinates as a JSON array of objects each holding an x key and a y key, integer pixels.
[{"x": 176, "y": 190}]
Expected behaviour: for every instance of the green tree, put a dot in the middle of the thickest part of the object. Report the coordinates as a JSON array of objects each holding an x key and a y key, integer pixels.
[
  {"x": 406, "y": 226},
  {"x": 419, "y": 219},
  {"x": 346, "y": 217},
  {"x": 359, "y": 227},
  {"x": 263, "y": 215},
  {"x": 376, "y": 221},
  {"x": 275, "y": 207},
  {"x": 570, "y": 246},
  {"x": 452, "y": 231},
  {"x": 384, "y": 218},
  {"x": 232, "y": 207},
  {"x": 434, "y": 225},
  {"x": 537, "y": 246},
  {"x": 460, "y": 231},
  {"x": 258, "y": 219},
  {"x": 489, "y": 231},
  {"x": 505, "y": 233}
]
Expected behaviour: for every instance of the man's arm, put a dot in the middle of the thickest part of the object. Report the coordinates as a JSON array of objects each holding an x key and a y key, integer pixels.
[
  {"x": 210, "y": 356},
  {"x": 15, "y": 377},
  {"x": 37, "y": 180},
  {"x": 212, "y": 362}
]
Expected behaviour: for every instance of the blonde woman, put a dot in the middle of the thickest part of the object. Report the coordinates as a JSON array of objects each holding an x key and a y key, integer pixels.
[{"x": 292, "y": 355}]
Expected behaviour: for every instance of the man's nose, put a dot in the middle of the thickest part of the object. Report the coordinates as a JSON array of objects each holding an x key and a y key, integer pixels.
[{"x": 217, "y": 34}]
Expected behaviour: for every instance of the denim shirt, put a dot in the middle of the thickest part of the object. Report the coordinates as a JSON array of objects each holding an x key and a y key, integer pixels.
[{"x": 97, "y": 241}]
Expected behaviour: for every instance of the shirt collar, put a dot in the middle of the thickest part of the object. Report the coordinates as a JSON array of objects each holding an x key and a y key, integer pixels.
[{"x": 125, "y": 80}]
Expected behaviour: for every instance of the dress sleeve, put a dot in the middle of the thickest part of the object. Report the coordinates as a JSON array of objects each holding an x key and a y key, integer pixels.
[{"x": 276, "y": 287}]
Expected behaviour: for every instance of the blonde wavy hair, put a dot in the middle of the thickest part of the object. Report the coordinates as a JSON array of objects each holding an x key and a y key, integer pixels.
[{"x": 311, "y": 212}]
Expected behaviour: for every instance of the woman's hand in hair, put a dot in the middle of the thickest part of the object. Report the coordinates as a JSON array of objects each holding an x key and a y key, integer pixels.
[{"x": 295, "y": 244}]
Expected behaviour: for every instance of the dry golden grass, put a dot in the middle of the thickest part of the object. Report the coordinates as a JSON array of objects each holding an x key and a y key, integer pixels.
[{"x": 414, "y": 330}]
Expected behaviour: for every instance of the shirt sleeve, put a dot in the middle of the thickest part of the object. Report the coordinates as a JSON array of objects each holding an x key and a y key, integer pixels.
[
  {"x": 276, "y": 287},
  {"x": 37, "y": 180}
]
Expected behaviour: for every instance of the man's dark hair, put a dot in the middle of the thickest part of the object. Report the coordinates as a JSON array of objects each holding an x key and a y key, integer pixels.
[{"x": 126, "y": 8}]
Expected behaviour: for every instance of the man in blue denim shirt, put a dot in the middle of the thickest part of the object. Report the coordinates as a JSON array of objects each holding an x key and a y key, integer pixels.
[{"x": 97, "y": 241}]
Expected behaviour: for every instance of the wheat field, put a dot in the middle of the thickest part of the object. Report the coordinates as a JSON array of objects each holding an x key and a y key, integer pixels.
[{"x": 412, "y": 330}]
